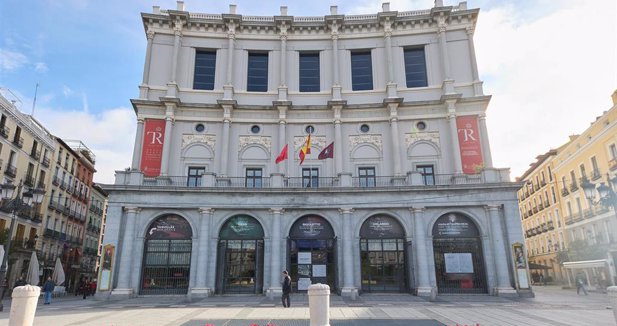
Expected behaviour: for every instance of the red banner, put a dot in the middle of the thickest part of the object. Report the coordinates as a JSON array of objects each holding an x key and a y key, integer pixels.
[
  {"x": 152, "y": 150},
  {"x": 469, "y": 142}
]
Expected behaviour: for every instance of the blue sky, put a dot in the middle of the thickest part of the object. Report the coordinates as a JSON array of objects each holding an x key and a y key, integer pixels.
[{"x": 541, "y": 61}]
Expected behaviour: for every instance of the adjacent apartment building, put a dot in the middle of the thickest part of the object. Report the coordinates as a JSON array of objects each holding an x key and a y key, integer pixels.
[
  {"x": 351, "y": 150},
  {"x": 575, "y": 233}
]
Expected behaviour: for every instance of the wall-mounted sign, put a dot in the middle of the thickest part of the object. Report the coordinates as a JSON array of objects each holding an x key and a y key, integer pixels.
[
  {"x": 169, "y": 227},
  {"x": 152, "y": 149},
  {"x": 469, "y": 143},
  {"x": 104, "y": 282},
  {"x": 378, "y": 227},
  {"x": 319, "y": 270},
  {"x": 304, "y": 283},
  {"x": 454, "y": 225},
  {"x": 242, "y": 227},
  {"x": 457, "y": 263},
  {"x": 311, "y": 227},
  {"x": 304, "y": 258}
]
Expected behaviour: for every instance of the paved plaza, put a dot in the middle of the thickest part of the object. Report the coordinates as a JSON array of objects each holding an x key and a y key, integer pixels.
[{"x": 551, "y": 306}]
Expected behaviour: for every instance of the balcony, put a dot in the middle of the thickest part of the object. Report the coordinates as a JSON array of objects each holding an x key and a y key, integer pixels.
[
  {"x": 49, "y": 233},
  {"x": 612, "y": 164},
  {"x": 544, "y": 227},
  {"x": 19, "y": 142},
  {"x": 35, "y": 155},
  {"x": 29, "y": 180},
  {"x": 45, "y": 162},
  {"x": 550, "y": 225},
  {"x": 541, "y": 206},
  {"x": 564, "y": 192},
  {"x": 4, "y": 131},
  {"x": 56, "y": 234},
  {"x": 63, "y": 185},
  {"x": 573, "y": 187},
  {"x": 62, "y": 236},
  {"x": 56, "y": 181},
  {"x": 10, "y": 170},
  {"x": 535, "y": 210}
]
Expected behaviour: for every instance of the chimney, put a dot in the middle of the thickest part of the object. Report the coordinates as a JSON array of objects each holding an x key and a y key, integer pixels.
[
  {"x": 462, "y": 5},
  {"x": 438, "y": 3},
  {"x": 333, "y": 10},
  {"x": 156, "y": 9},
  {"x": 232, "y": 9},
  {"x": 385, "y": 6},
  {"x": 180, "y": 5},
  {"x": 614, "y": 96},
  {"x": 283, "y": 10}
]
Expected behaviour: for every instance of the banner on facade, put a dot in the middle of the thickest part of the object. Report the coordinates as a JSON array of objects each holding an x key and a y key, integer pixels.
[
  {"x": 169, "y": 227},
  {"x": 152, "y": 150},
  {"x": 106, "y": 268},
  {"x": 454, "y": 225},
  {"x": 469, "y": 143}
]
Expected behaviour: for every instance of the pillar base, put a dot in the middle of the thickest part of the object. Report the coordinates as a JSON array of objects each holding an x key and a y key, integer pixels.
[
  {"x": 427, "y": 292},
  {"x": 201, "y": 292},
  {"x": 505, "y": 292},
  {"x": 121, "y": 294},
  {"x": 274, "y": 293},
  {"x": 351, "y": 293}
]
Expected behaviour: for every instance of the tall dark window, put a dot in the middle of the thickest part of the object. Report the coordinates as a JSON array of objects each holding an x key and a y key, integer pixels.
[
  {"x": 257, "y": 80},
  {"x": 253, "y": 178},
  {"x": 310, "y": 177},
  {"x": 428, "y": 174},
  {"x": 194, "y": 177},
  {"x": 367, "y": 177},
  {"x": 361, "y": 71},
  {"x": 205, "y": 66},
  {"x": 415, "y": 67},
  {"x": 309, "y": 72}
]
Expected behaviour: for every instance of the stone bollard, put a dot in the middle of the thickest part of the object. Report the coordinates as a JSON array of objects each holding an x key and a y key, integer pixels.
[
  {"x": 612, "y": 295},
  {"x": 319, "y": 304},
  {"x": 23, "y": 307}
]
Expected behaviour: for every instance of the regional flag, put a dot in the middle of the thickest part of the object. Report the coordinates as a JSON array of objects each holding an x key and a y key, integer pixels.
[
  {"x": 327, "y": 152},
  {"x": 305, "y": 149},
  {"x": 282, "y": 156}
]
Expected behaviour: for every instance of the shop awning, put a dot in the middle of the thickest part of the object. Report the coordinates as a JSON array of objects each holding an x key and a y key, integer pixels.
[
  {"x": 585, "y": 264},
  {"x": 537, "y": 266}
]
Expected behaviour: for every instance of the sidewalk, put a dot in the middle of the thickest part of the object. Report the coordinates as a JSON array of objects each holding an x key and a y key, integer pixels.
[{"x": 551, "y": 306}]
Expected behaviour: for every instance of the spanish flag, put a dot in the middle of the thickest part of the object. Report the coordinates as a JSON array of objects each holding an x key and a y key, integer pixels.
[{"x": 305, "y": 149}]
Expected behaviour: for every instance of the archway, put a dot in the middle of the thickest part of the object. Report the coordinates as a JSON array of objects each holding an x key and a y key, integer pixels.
[
  {"x": 459, "y": 260},
  {"x": 166, "y": 264},
  {"x": 383, "y": 255},
  {"x": 312, "y": 253},
  {"x": 240, "y": 256}
]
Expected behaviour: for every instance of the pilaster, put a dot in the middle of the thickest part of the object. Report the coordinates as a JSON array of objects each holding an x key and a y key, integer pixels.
[
  {"x": 348, "y": 290},
  {"x": 275, "y": 289},
  {"x": 203, "y": 252}
]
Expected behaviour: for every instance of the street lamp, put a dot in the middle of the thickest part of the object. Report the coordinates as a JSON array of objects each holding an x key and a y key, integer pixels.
[
  {"x": 21, "y": 202},
  {"x": 608, "y": 197}
]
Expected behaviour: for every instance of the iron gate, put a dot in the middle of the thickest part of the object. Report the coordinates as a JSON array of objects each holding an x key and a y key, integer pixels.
[
  {"x": 166, "y": 267},
  {"x": 472, "y": 276}
]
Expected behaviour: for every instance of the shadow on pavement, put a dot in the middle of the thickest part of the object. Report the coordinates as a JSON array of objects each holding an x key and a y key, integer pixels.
[{"x": 300, "y": 322}]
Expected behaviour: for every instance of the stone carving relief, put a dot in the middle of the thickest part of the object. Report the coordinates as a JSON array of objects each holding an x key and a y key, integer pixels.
[
  {"x": 264, "y": 141},
  {"x": 431, "y": 136},
  {"x": 375, "y": 140},
  {"x": 209, "y": 140},
  {"x": 316, "y": 141}
]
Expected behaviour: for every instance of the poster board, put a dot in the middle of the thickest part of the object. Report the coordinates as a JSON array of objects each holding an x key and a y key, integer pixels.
[
  {"x": 319, "y": 271},
  {"x": 304, "y": 257},
  {"x": 107, "y": 263},
  {"x": 520, "y": 264},
  {"x": 458, "y": 263},
  {"x": 304, "y": 283}
]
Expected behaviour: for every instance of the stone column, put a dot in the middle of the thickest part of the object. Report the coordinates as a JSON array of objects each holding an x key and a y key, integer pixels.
[
  {"x": 137, "y": 147},
  {"x": 477, "y": 84},
  {"x": 126, "y": 254},
  {"x": 394, "y": 137},
  {"x": 391, "y": 85},
  {"x": 456, "y": 152},
  {"x": 486, "y": 147},
  {"x": 281, "y": 167},
  {"x": 138, "y": 249},
  {"x": 500, "y": 254},
  {"x": 224, "y": 147},
  {"x": 423, "y": 287},
  {"x": 143, "y": 93},
  {"x": 284, "y": 57},
  {"x": 201, "y": 289},
  {"x": 231, "y": 37},
  {"x": 338, "y": 140},
  {"x": 172, "y": 86},
  {"x": 348, "y": 282},
  {"x": 169, "y": 118},
  {"x": 336, "y": 83},
  {"x": 275, "y": 270}
]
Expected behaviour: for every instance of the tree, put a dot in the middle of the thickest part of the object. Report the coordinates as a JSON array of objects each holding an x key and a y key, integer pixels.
[{"x": 581, "y": 250}]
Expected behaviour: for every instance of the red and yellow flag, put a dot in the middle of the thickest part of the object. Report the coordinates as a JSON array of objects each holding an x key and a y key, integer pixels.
[{"x": 305, "y": 150}]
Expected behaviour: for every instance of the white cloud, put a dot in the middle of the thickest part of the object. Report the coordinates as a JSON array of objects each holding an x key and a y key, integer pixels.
[
  {"x": 11, "y": 60},
  {"x": 110, "y": 135},
  {"x": 40, "y": 67},
  {"x": 549, "y": 77},
  {"x": 67, "y": 91}
]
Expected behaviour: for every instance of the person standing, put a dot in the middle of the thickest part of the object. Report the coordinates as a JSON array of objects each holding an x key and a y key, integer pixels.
[
  {"x": 48, "y": 288},
  {"x": 85, "y": 288},
  {"x": 286, "y": 289},
  {"x": 580, "y": 284}
]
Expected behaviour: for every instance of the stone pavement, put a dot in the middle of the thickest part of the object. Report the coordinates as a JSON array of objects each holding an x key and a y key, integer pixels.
[{"x": 551, "y": 306}]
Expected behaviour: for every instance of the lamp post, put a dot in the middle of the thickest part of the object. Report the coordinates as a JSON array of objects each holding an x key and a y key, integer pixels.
[
  {"x": 608, "y": 197},
  {"x": 20, "y": 202}
]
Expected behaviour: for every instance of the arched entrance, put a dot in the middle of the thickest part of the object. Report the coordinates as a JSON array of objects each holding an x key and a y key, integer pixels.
[
  {"x": 382, "y": 255},
  {"x": 240, "y": 256},
  {"x": 459, "y": 261},
  {"x": 167, "y": 256},
  {"x": 312, "y": 253}
]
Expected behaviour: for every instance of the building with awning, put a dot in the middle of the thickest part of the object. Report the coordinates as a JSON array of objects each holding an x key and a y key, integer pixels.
[{"x": 597, "y": 272}]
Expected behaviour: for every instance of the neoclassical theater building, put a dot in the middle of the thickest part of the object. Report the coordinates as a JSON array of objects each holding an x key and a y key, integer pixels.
[{"x": 396, "y": 191}]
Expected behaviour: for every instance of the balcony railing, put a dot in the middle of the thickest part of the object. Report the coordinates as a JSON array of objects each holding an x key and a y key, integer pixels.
[
  {"x": 35, "y": 155},
  {"x": 45, "y": 162},
  {"x": 612, "y": 164},
  {"x": 19, "y": 142},
  {"x": 4, "y": 131},
  {"x": 10, "y": 170},
  {"x": 573, "y": 187},
  {"x": 29, "y": 180},
  {"x": 56, "y": 181},
  {"x": 564, "y": 192}
]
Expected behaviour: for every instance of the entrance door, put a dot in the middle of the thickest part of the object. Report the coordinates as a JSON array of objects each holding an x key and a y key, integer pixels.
[
  {"x": 240, "y": 256},
  {"x": 312, "y": 258},
  {"x": 459, "y": 260}
]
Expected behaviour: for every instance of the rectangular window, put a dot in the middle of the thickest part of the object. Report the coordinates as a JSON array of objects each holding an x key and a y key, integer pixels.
[
  {"x": 194, "y": 177},
  {"x": 583, "y": 172},
  {"x": 415, "y": 68},
  {"x": 257, "y": 80},
  {"x": 310, "y": 177},
  {"x": 613, "y": 151},
  {"x": 428, "y": 174},
  {"x": 309, "y": 72},
  {"x": 361, "y": 71},
  {"x": 253, "y": 178},
  {"x": 205, "y": 66},
  {"x": 550, "y": 174},
  {"x": 367, "y": 177},
  {"x": 594, "y": 166}
]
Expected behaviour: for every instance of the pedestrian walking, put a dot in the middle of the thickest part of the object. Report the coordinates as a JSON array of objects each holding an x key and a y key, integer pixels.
[
  {"x": 580, "y": 284},
  {"x": 48, "y": 288},
  {"x": 286, "y": 289},
  {"x": 85, "y": 287}
]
